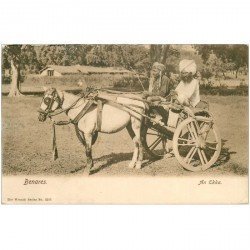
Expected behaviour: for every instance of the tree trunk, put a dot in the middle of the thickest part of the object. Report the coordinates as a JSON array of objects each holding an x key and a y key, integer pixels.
[
  {"x": 159, "y": 53},
  {"x": 236, "y": 73},
  {"x": 164, "y": 54},
  {"x": 15, "y": 80}
]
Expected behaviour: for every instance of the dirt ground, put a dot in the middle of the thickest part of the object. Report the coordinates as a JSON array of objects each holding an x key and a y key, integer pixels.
[{"x": 27, "y": 144}]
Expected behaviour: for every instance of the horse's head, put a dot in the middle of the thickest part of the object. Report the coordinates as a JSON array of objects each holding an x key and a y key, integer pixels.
[{"x": 50, "y": 102}]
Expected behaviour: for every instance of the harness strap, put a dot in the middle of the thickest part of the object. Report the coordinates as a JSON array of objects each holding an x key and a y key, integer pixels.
[
  {"x": 61, "y": 123},
  {"x": 126, "y": 108},
  {"x": 83, "y": 112},
  {"x": 75, "y": 122},
  {"x": 54, "y": 147},
  {"x": 117, "y": 92},
  {"x": 80, "y": 138},
  {"x": 54, "y": 113},
  {"x": 99, "y": 114}
]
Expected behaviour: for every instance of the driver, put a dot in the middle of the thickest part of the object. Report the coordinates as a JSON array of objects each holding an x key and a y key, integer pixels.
[{"x": 187, "y": 92}]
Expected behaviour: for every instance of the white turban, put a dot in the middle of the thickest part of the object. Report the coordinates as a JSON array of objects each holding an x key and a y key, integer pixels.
[{"x": 188, "y": 66}]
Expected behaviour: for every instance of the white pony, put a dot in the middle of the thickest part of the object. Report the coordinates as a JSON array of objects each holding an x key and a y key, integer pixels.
[{"x": 113, "y": 120}]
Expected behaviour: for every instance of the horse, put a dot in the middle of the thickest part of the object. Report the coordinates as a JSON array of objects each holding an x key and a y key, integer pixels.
[{"x": 113, "y": 120}]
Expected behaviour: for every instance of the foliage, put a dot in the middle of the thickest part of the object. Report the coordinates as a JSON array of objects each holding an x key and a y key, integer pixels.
[
  {"x": 166, "y": 55},
  {"x": 223, "y": 90},
  {"x": 213, "y": 66},
  {"x": 34, "y": 58},
  {"x": 6, "y": 79},
  {"x": 61, "y": 54},
  {"x": 127, "y": 56},
  {"x": 232, "y": 56},
  {"x": 23, "y": 56}
]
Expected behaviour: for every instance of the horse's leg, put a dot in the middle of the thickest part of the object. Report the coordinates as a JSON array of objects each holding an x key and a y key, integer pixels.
[
  {"x": 168, "y": 154},
  {"x": 135, "y": 154},
  {"x": 140, "y": 156},
  {"x": 138, "y": 152},
  {"x": 88, "y": 147}
]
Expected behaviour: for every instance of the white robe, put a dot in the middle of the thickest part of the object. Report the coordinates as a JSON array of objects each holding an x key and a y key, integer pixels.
[{"x": 188, "y": 93}]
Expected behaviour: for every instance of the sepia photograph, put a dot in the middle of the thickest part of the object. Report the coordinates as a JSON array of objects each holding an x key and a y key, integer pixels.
[{"x": 125, "y": 123}]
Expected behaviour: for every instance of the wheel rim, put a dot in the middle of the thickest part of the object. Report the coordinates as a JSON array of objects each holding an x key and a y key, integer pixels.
[
  {"x": 196, "y": 145},
  {"x": 155, "y": 143}
]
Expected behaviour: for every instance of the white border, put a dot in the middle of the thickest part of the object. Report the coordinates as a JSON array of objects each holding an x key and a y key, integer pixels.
[{"x": 124, "y": 227}]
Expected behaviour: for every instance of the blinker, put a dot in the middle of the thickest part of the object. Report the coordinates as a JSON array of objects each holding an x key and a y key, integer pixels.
[{"x": 47, "y": 100}]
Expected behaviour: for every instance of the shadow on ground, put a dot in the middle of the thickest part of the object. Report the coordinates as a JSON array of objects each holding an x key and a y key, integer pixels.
[
  {"x": 224, "y": 158},
  {"x": 111, "y": 159},
  {"x": 225, "y": 154}
]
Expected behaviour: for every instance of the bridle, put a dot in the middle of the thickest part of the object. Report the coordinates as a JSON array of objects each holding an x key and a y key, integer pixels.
[
  {"x": 54, "y": 97},
  {"x": 49, "y": 101}
]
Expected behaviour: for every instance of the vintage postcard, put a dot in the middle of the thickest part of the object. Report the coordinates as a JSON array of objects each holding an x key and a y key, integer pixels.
[{"x": 125, "y": 124}]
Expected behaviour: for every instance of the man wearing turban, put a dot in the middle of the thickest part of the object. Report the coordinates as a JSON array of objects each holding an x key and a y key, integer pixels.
[
  {"x": 187, "y": 90},
  {"x": 159, "y": 83},
  {"x": 159, "y": 88}
]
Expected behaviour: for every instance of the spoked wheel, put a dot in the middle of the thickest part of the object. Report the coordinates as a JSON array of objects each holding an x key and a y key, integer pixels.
[
  {"x": 154, "y": 137},
  {"x": 94, "y": 138},
  {"x": 154, "y": 142},
  {"x": 196, "y": 144}
]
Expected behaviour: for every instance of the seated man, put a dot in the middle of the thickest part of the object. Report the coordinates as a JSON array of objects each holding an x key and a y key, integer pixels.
[
  {"x": 187, "y": 90},
  {"x": 187, "y": 93},
  {"x": 159, "y": 87},
  {"x": 159, "y": 83}
]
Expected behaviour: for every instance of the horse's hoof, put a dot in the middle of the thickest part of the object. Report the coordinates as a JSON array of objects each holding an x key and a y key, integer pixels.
[
  {"x": 86, "y": 172},
  {"x": 138, "y": 165},
  {"x": 131, "y": 165}
]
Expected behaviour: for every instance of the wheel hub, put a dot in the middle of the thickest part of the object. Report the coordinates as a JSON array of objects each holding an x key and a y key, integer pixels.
[{"x": 200, "y": 143}]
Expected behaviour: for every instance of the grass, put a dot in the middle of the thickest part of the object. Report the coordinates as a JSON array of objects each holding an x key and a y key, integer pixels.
[{"x": 224, "y": 90}]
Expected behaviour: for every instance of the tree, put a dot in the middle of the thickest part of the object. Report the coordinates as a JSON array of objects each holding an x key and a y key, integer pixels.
[
  {"x": 11, "y": 54},
  {"x": 62, "y": 54},
  {"x": 164, "y": 54},
  {"x": 232, "y": 55},
  {"x": 160, "y": 53},
  {"x": 18, "y": 57},
  {"x": 238, "y": 54},
  {"x": 127, "y": 56},
  {"x": 134, "y": 57}
]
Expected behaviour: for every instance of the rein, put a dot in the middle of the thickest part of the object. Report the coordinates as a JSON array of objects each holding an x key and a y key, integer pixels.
[
  {"x": 117, "y": 92},
  {"x": 54, "y": 113}
]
